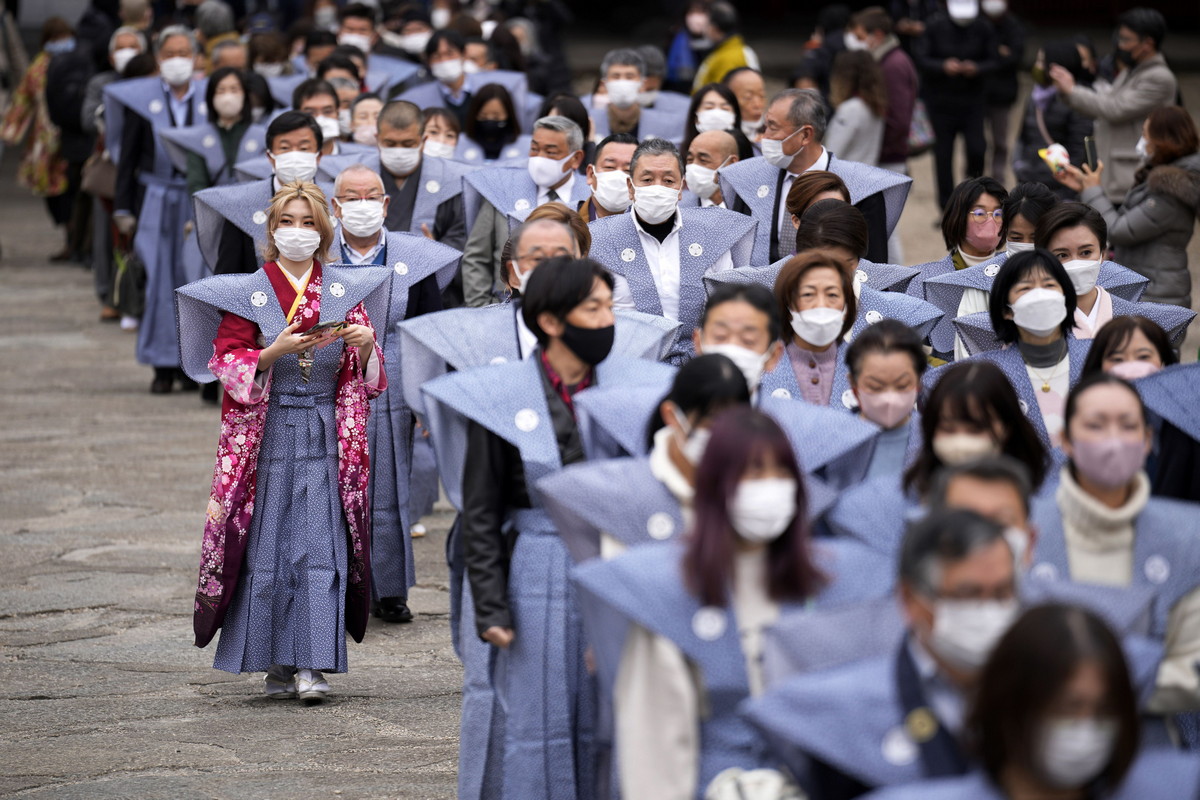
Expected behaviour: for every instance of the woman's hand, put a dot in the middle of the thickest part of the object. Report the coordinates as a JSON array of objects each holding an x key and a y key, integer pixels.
[
  {"x": 359, "y": 336},
  {"x": 501, "y": 637},
  {"x": 1070, "y": 177},
  {"x": 1089, "y": 178},
  {"x": 287, "y": 342}
]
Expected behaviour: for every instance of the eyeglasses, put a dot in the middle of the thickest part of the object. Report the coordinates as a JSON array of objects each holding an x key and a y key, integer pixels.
[
  {"x": 378, "y": 198},
  {"x": 980, "y": 216}
]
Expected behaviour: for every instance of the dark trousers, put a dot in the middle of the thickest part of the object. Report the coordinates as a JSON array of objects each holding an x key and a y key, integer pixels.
[{"x": 948, "y": 123}]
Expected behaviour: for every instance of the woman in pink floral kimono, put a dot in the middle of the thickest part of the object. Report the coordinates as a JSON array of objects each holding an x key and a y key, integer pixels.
[{"x": 284, "y": 567}]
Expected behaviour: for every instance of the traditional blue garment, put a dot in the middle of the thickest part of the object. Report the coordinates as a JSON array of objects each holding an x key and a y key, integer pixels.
[
  {"x": 881, "y": 277},
  {"x": 512, "y": 192},
  {"x": 1157, "y": 774},
  {"x": 825, "y": 442},
  {"x": 410, "y": 259},
  {"x": 885, "y": 277},
  {"x": 875, "y": 512},
  {"x": 441, "y": 180},
  {"x": 756, "y": 183},
  {"x": 705, "y": 235},
  {"x": 540, "y": 682},
  {"x": 515, "y": 154},
  {"x": 384, "y": 72},
  {"x": 289, "y": 607},
  {"x": 644, "y": 587},
  {"x": 204, "y": 140},
  {"x": 613, "y": 421},
  {"x": 1011, "y": 363},
  {"x": 431, "y": 94},
  {"x": 171, "y": 259},
  {"x": 283, "y": 87},
  {"x": 1171, "y": 394},
  {"x": 651, "y": 123},
  {"x": 782, "y": 383},
  {"x": 256, "y": 169}
]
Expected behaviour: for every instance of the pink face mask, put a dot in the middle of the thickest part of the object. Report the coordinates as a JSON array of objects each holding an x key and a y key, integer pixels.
[
  {"x": 983, "y": 236},
  {"x": 1132, "y": 370},
  {"x": 1110, "y": 462},
  {"x": 887, "y": 409}
]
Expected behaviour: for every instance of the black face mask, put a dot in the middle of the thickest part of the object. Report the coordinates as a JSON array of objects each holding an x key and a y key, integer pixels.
[
  {"x": 491, "y": 131},
  {"x": 590, "y": 345},
  {"x": 1124, "y": 56}
]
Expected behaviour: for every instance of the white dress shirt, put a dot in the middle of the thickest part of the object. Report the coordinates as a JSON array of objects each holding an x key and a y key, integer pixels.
[
  {"x": 822, "y": 162},
  {"x": 563, "y": 192},
  {"x": 526, "y": 341},
  {"x": 664, "y": 268}
]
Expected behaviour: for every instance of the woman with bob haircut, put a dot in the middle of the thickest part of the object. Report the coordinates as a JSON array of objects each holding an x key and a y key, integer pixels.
[
  {"x": 971, "y": 412},
  {"x": 285, "y": 564},
  {"x": 1056, "y": 716},
  {"x": 1130, "y": 347},
  {"x": 492, "y": 128},
  {"x": 678, "y": 627}
]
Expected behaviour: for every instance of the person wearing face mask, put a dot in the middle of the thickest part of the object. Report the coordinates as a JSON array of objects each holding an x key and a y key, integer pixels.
[
  {"x": 886, "y": 362},
  {"x": 617, "y": 110},
  {"x": 441, "y": 133},
  {"x": 1151, "y": 230},
  {"x": 1056, "y": 715},
  {"x": 151, "y": 192},
  {"x": 456, "y": 78},
  {"x": 504, "y": 197},
  {"x": 364, "y": 119},
  {"x": 1048, "y": 120},
  {"x": 728, "y": 49},
  {"x": 660, "y": 253},
  {"x": 420, "y": 270},
  {"x": 956, "y": 56},
  {"x": 970, "y": 413},
  {"x": 318, "y": 98},
  {"x": 677, "y": 667},
  {"x": 356, "y": 28},
  {"x": 750, "y": 91},
  {"x": 998, "y": 488},
  {"x": 1101, "y": 526},
  {"x": 608, "y": 176},
  {"x": 265, "y": 555},
  {"x": 492, "y": 131},
  {"x": 231, "y": 220},
  {"x": 707, "y": 153},
  {"x": 713, "y": 108},
  {"x": 872, "y": 30},
  {"x": 524, "y": 608},
  {"x": 1120, "y": 108},
  {"x": 794, "y": 125},
  {"x": 958, "y": 595}
]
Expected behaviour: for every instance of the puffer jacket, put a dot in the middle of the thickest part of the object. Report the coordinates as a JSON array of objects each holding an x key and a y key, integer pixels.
[{"x": 1151, "y": 231}]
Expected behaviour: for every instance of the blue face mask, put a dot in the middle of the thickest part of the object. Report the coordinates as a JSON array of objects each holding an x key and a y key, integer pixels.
[{"x": 60, "y": 46}]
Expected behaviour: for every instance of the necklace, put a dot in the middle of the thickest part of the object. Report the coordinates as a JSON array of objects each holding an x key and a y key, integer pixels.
[{"x": 1045, "y": 379}]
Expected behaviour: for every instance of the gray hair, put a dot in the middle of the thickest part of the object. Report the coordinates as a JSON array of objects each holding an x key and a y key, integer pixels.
[
  {"x": 224, "y": 46},
  {"x": 343, "y": 83},
  {"x": 652, "y": 57},
  {"x": 400, "y": 114},
  {"x": 806, "y": 107},
  {"x": 126, "y": 30},
  {"x": 355, "y": 169},
  {"x": 625, "y": 57},
  {"x": 565, "y": 126},
  {"x": 655, "y": 146},
  {"x": 178, "y": 30},
  {"x": 943, "y": 536},
  {"x": 994, "y": 469},
  {"x": 214, "y": 17}
]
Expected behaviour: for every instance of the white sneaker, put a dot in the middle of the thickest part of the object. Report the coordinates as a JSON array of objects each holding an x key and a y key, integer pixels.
[
  {"x": 129, "y": 323},
  {"x": 280, "y": 682},
  {"x": 311, "y": 686},
  {"x": 418, "y": 531}
]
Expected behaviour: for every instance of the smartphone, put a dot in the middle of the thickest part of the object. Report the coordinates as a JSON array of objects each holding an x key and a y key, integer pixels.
[
  {"x": 1089, "y": 151},
  {"x": 322, "y": 327}
]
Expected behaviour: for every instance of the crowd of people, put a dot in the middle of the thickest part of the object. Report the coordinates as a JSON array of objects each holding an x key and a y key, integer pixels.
[{"x": 746, "y": 506}]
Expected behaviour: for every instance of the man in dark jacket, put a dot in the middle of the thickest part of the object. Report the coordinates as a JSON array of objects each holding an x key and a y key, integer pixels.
[
  {"x": 872, "y": 27},
  {"x": 955, "y": 56},
  {"x": 1001, "y": 85}
]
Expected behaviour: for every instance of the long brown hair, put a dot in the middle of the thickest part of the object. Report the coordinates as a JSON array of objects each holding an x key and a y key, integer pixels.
[
  {"x": 1173, "y": 134},
  {"x": 855, "y": 74}
]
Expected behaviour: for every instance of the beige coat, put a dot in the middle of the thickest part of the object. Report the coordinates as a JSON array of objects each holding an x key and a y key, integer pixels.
[{"x": 1119, "y": 109}]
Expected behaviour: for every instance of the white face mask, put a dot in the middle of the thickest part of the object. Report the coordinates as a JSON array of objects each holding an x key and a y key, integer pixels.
[
  {"x": 1013, "y": 248},
  {"x": 762, "y": 509},
  {"x": 994, "y": 8},
  {"x": 361, "y": 217},
  {"x": 749, "y": 362},
  {"x": 330, "y": 129},
  {"x": 612, "y": 190},
  {"x": 714, "y": 119},
  {"x": 177, "y": 71},
  {"x": 655, "y": 204},
  {"x": 647, "y": 99},
  {"x": 750, "y": 128},
  {"x": 522, "y": 277},
  {"x": 623, "y": 94},
  {"x": 1018, "y": 542},
  {"x": 229, "y": 104},
  {"x": 1040, "y": 311},
  {"x": 295, "y": 166},
  {"x": 448, "y": 71},
  {"x": 853, "y": 43},
  {"x": 702, "y": 181},
  {"x": 694, "y": 441},
  {"x": 440, "y": 17},
  {"x": 366, "y": 134},
  {"x": 269, "y": 70},
  {"x": 359, "y": 40},
  {"x": 400, "y": 160},
  {"x": 772, "y": 150},
  {"x": 122, "y": 57},
  {"x": 1083, "y": 274},
  {"x": 414, "y": 43},
  {"x": 963, "y": 12},
  {"x": 297, "y": 244},
  {"x": 325, "y": 17},
  {"x": 546, "y": 172},
  {"x": 438, "y": 149},
  {"x": 819, "y": 326},
  {"x": 960, "y": 448},
  {"x": 345, "y": 122},
  {"x": 965, "y": 631},
  {"x": 1140, "y": 147},
  {"x": 470, "y": 67},
  {"x": 1074, "y": 751}
]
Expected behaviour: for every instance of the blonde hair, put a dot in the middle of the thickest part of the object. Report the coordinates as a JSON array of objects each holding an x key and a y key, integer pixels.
[{"x": 300, "y": 190}]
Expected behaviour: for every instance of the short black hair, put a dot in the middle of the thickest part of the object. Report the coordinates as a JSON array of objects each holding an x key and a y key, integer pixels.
[
  {"x": 758, "y": 296},
  {"x": 952, "y": 534},
  {"x": 614, "y": 138},
  {"x": 733, "y": 73},
  {"x": 1071, "y": 215},
  {"x": 884, "y": 337},
  {"x": 1015, "y": 269},
  {"x": 724, "y": 17},
  {"x": 447, "y": 35},
  {"x": 290, "y": 121},
  {"x": 706, "y": 384},
  {"x": 210, "y": 92},
  {"x": 313, "y": 87},
  {"x": 1029, "y": 200},
  {"x": 1115, "y": 335},
  {"x": 569, "y": 106},
  {"x": 1147, "y": 23},
  {"x": 558, "y": 286},
  {"x": 962, "y": 200},
  {"x": 360, "y": 10},
  {"x": 1089, "y": 382},
  {"x": 319, "y": 38},
  {"x": 337, "y": 60},
  {"x": 993, "y": 469}
]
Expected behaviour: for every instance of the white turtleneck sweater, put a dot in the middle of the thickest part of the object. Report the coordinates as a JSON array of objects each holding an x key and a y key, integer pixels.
[{"x": 1100, "y": 550}]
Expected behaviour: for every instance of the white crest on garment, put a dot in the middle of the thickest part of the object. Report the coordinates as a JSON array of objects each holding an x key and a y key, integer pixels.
[
  {"x": 1024, "y": 406},
  {"x": 156, "y": 106},
  {"x": 526, "y": 420},
  {"x": 660, "y": 526},
  {"x": 251, "y": 146},
  {"x": 258, "y": 299},
  {"x": 433, "y": 187},
  {"x": 991, "y": 269},
  {"x": 521, "y": 205},
  {"x": 401, "y": 268},
  {"x": 708, "y": 623},
  {"x": 696, "y": 249},
  {"x": 872, "y": 317},
  {"x": 763, "y": 191},
  {"x": 897, "y": 748},
  {"x": 861, "y": 277},
  {"x": 471, "y": 155},
  {"x": 628, "y": 255},
  {"x": 260, "y": 218},
  {"x": 1045, "y": 571},
  {"x": 848, "y": 399},
  {"x": 498, "y": 360},
  {"x": 336, "y": 289},
  {"x": 209, "y": 141},
  {"x": 782, "y": 394},
  {"x": 1157, "y": 569}
]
